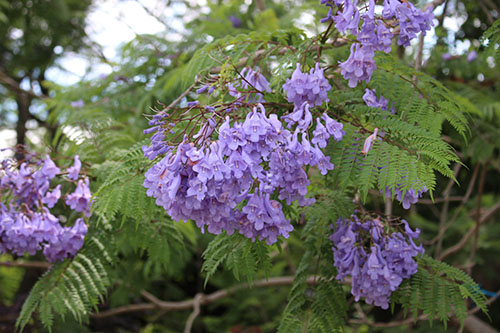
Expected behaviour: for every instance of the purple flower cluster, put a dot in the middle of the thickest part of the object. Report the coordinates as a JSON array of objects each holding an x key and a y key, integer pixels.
[
  {"x": 359, "y": 66},
  {"x": 372, "y": 100},
  {"x": 376, "y": 258},
  {"x": 249, "y": 164},
  {"x": 158, "y": 146},
  {"x": 28, "y": 225},
  {"x": 374, "y": 35},
  {"x": 247, "y": 83},
  {"x": 306, "y": 91},
  {"x": 411, "y": 19},
  {"x": 408, "y": 198},
  {"x": 309, "y": 88}
]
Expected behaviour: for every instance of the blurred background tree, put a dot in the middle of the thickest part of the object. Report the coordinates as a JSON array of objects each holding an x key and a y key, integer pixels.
[{"x": 35, "y": 34}]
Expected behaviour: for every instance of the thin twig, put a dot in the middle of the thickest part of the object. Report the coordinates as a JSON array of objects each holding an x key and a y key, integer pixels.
[
  {"x": 477, "y": 217},
  {"x": 459, "y": 209},
  {"x": 181, "y": 96},
  {"x": 152, "y": 14},
  {"x": 444, "y": 210}
]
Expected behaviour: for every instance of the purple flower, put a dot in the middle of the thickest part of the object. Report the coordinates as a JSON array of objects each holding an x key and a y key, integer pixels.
[
  {"x": 51, "y": 198},
  {"x": 28, "y": 224},
  {"x": 255, "y": 126},
  {"x": 296, "y": 86},
  {"x": 77, "y": 104},
  {"x": 321, "y": 135},
  {"x": 472, "y": 56},
  {"x": 197, "y": 188},
  {"x": 371, "y": 100},
  {"x": 334, "y": 128},
  {"x": 236, "y": 22},
  {"x": 249, "y": 161},
  {"x": 237, "y": 164},
  {"x": 384, "y": 38},
  {"x": 348, "y": 19},
  {"x": 322, "y": 161},
  {"x": 247, "y": 81},
  {"x": 202, "y": 89},
  {"x": 79, "y": 200},
  {"x": 309, "y": 88},
  {"x": 318, "y": 86},
  {"x": 369, "y": 142},
  {"x": 49, "y": 168},
  {"x": 367, "y": 36},
  {"x": 204, "y": 169},
  {"x": 195, "y": 154},
  {"x": 69, "y": 242},
  {"x": 359, "y": 66},
  {"x": 409, "y": 198},
  {"x": 74, "y": 170},
  {"x": 446, "y": 56},
  {"x": 412, "y": 21}
]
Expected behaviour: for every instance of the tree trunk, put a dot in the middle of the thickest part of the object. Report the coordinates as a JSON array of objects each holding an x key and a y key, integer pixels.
[{"x": 23, "y": 104}]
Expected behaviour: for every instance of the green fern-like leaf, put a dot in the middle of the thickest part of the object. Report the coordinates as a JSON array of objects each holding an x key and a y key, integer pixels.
[
  {"x": 439, "y": 290},
  {"x": 75, "y": 286},
  {"x": 492, "y": 35},
  {"x": 239, "y": 254}
]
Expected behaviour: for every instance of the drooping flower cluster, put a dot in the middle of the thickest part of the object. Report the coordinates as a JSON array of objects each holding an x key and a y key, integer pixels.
[
  {"x": 306, "y": 91},
  {"x": 26, "y": 223},
  {"x": 372, "y": 100},
  {"x": 375, "y": 34},
  {"x": 376, "y": 257},
  {"x": 233, "y": 182},
  {"x": 408, "y": 198},
  {"x": 309, "y": 88},
  {"x": 249, "y": 164},
  {"x": 158, "y": 146}
]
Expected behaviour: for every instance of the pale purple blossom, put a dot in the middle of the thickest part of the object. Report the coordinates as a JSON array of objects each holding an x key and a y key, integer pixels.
[{"x": 73, "y": 171}]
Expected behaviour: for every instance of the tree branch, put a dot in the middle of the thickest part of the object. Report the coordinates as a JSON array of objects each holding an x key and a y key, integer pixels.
[
  {"x": 457, "y": 247},
  {"x": 26, "y": 264},
  {"x": 410, "y": 320},
  {"x": 181, "y": 96},
  {"x": 194, "y": 314},
  {"x": 14, "y": 86},
  {"x": 157, "y": 304}
]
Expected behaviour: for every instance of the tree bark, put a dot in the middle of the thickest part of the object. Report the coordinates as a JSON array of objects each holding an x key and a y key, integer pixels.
[{"x": 23, "y": 104}]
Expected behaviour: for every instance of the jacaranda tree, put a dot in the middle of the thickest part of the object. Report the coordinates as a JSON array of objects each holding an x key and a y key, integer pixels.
[{"x": 326, "y": 158}]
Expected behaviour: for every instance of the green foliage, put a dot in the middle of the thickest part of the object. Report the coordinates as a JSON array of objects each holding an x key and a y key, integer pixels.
[
  {"x": 241, "y": 255},
  {"x": 317, "y": 302},
  {"x": 439, "y": 291},
  {"x": 122, "y": 191},
  {"x": 10, "y": 279},
  {"x": 442, "y": 100},
  {"x": 492, "y": 35},
  {"x": 74, "y": 286}
]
